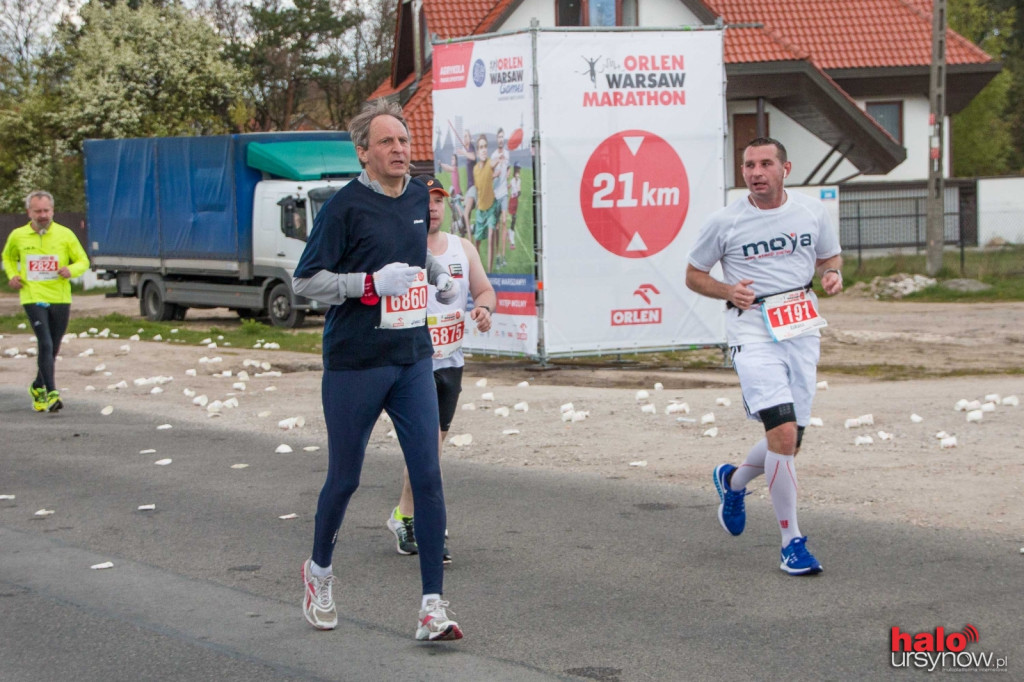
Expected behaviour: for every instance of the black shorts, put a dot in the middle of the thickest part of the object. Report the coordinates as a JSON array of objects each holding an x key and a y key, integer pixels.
[{"x": 449, "y": 384}]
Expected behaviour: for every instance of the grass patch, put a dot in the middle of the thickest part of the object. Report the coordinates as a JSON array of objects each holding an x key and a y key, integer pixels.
[
  {"x": 1002, "y": 269},
  {"x": 247, "y": 335}
]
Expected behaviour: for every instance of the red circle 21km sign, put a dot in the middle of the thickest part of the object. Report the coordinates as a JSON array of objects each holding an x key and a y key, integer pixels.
[{"x": 634, "y": 194}]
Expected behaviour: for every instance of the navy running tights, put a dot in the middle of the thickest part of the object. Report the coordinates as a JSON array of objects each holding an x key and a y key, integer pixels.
[
  {"x": 49, "y": 322},
  {"x": 353, "y": 400}
]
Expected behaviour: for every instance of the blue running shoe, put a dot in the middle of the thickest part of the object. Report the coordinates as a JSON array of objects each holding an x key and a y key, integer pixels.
[
  {"x": 796, "y": 560},
  {"x": 732, "y": 513}
]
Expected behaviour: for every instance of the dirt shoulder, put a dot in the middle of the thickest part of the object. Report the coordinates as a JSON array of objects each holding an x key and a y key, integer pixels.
[{"x": 906, "y": 478}]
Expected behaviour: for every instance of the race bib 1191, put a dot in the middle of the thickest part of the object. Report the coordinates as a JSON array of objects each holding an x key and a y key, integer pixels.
[{"x": 791, "y": 314}]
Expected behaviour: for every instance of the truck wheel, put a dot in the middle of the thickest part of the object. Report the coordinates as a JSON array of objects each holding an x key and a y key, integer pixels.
[
  {"x": 280, "y": 310},
  {"x": 153, "y": 306}
]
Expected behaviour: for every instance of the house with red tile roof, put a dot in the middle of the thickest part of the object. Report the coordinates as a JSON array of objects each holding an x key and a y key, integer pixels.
[{"x": 843, "y": 83}]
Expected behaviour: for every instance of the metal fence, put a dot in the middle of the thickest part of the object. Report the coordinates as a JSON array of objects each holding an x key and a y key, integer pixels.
[{"x": 893, "y": 216}]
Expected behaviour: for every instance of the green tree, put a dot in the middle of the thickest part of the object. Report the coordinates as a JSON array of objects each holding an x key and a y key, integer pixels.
[
  {"x": 284, "y": 48},
  {"x": 984, "y": 139},
  {"x": 144, "y": 72},
  {"x": 118, "y": 72}
]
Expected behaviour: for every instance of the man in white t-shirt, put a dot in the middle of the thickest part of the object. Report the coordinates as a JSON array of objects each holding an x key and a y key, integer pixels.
[
  {"x": 770, "y": 245},
  {"x": 447, "y": 322}
]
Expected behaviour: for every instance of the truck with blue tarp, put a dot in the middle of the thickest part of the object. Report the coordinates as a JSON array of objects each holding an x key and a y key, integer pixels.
[{"x": 209, "y": 222}]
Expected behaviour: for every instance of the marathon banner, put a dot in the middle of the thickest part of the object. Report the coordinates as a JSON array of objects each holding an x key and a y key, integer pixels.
[
  {"x": 632, "y": 160},
  {"x": 483, "y": 128}
]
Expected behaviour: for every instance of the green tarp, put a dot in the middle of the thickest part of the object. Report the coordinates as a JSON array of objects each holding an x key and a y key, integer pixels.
[{"x": 307, "y": 160}]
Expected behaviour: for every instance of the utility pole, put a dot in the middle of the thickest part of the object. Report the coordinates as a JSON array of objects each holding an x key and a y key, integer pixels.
[{"x": 935, "y": 227}]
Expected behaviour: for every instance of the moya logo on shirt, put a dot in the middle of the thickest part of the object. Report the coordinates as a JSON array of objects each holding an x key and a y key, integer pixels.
[{"x": 777, "y": 246}]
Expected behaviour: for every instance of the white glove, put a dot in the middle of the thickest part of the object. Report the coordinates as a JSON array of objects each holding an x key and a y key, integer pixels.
[
  {"x": 394, "y": 279},
  {"x": 447, "y": 289}
]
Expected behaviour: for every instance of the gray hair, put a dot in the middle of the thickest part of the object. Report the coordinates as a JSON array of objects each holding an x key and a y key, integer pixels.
[
  {"x": 359, "y": 126},
  {"x": 35, "y": 194}
]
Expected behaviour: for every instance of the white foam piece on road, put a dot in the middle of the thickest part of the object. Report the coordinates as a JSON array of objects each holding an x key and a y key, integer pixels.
[
  {"x": 639, "y": 463},
  {"x": 642, "y": 395},
  {"x": 724, "y": 402},
  {"x": 567, "y": 407},
  {"x": 521, "y": 407},
  {"x": 708, "y": 418},
  {"x": 44, "y": 512},
  {"x": 863, "y": 440},
  {"x": 311, "y": 448},
  {"x": 676, "y": 408},
  {"x": 104, "y": 565},
  {"x": 916, "y": 418},
  {"x": 283, "y": 449},
  {"x": 1011, "y": 401},
  {"x": 712, "y": 432},
  {"x": 487, "y": 396},
  {"x": 822, "y": 385},
  {"x": 147, "y": 507},
  {"x": 163, "y": 462},
  {"x": 649, "y": 409},
  {"x": 975, "y": 416},
  {"x": 107, "y": 411},
  {"x": 239, "y": 466},
  {"x": 288, "y": 517},
  {"x": 523, "y": 384},
  {"x": 461, "y": 440},
  {"x": 481, "y": 383},
  {"x": 501, "y": 412},
  {"x": 988, "y": 407},
  {"x": 948, "y": 442},
  {"x": 510, "y": 432},
  {"x": 164, "y": 427},
  {"x": 147, "y": 451},
  {"x": 816, "y": 421},
  {"x": 852, "y": 423}
]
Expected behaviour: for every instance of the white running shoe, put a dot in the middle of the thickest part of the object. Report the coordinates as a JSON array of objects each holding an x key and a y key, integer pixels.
[
  {"x": 317, "y": 602},
  {"x": 435, "y": 625}
]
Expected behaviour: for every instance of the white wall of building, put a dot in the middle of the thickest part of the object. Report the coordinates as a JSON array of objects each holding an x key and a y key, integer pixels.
[
  {"x": 652, "y": 13},
  {"x": 1001, "y": 210},
  {"x": 806, "y": 150}
]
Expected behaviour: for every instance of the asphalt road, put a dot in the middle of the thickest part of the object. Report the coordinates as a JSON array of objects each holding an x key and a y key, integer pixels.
[{"x": 555, "y": 576}]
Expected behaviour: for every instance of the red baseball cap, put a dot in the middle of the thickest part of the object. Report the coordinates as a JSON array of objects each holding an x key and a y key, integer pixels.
[{"x": 433, "y": 184}]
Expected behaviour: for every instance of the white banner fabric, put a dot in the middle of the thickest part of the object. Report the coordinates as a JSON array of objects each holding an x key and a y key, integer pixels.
[
  {"x": 632, "y": 144},
  {"x": 483, "y": 99}
]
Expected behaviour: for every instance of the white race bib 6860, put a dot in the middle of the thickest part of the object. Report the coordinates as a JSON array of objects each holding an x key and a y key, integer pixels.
[
  {"x": 408, "y": 310},
  {"x": 791, "y": 314}
]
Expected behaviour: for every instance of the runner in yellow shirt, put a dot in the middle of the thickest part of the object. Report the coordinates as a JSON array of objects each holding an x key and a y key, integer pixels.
[{"x": 40, "y": 259}]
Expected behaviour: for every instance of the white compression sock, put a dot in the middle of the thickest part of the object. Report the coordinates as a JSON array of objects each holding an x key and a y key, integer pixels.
[
  {"x": 318, "y": 571},
  {"x": 752, "y": 467},
  {"x": 428, "y": 598},
  {"x": 782, "y": 486}
]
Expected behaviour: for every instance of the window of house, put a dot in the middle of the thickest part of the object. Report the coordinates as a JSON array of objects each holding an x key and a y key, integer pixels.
[
  {"x": 595, "y": 13},
  {"x": 890, "y": 116}
]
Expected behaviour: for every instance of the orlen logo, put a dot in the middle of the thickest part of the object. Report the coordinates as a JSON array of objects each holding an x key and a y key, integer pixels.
[
  {"x": 931, "y": 650},
  {"x": 776, "y": 246},
  {"x": 630, "y": 316}
]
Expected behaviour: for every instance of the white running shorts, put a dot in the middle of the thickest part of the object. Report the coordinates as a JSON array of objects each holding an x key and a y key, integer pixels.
[{"x": 776, "y": 373}]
